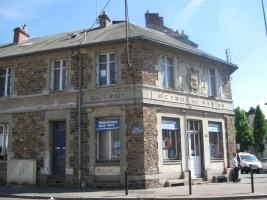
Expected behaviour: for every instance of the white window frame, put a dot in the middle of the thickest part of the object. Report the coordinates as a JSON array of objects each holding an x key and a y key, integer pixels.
[
  {"x": 8, "y": 79},
  {"x": 61, "y": 75},
  {"x": 212, "y": 85},
  {"x": 219, "y": 147},
  {"x": 167, "y": 72},
  {"x": 110, "y": 146},
  {"x": 4, "y": 140},
  {"x": 108, "y": 69}
]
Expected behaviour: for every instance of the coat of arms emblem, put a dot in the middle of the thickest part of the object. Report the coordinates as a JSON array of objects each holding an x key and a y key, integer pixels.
[{"x": 192, "y": 79}]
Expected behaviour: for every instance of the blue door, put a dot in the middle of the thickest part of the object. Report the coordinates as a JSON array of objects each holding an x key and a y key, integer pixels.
[{"x": 59, "y": 148}]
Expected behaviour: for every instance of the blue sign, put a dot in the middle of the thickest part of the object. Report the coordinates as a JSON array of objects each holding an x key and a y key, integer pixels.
[
  {"x": 107, "y": 124},
  {"x": 169, "y": 124},
  {"x": 214, "y": 127},
  {"x": 137, "y": 130}
]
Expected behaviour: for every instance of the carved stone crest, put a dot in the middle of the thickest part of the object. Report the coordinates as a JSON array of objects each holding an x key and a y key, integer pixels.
[{"x": 192, "y": 79}]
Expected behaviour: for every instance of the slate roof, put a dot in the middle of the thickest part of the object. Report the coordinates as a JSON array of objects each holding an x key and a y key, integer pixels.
[{"x": 112, "y": 33}]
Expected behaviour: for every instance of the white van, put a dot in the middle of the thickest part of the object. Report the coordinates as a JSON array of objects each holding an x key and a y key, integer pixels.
[{"x": 248, "y": 161}]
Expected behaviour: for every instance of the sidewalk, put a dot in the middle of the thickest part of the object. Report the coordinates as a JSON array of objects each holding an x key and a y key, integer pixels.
[{"x": 229, "y": 190}]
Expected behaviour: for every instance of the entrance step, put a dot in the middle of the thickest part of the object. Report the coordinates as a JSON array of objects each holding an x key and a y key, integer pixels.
[
  {"x": 106, "y": 185},
  {"x": 219, "y": 178},
  {"x": 197, "y": 181},
  {"x": 55, "y": 180},
  {"x": 176, "y": 182}
]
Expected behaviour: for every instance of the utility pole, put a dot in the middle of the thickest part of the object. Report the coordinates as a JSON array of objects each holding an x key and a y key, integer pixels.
[
  {"x": 228, "y": 55},
  {"x": 264, "y": 16}
]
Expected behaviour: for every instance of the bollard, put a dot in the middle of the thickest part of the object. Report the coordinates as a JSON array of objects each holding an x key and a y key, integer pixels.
[
  {"x": 126, "y": 182},
  {"x": 252, "y": 181},
  {"x": 190, "y": 183}
]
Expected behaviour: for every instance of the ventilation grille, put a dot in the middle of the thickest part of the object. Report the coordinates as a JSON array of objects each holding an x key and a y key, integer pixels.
[{"x": 21, "y": 172}]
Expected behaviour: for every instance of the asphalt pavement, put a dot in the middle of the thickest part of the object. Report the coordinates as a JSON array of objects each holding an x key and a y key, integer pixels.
[{"x": 226, "y": 190}]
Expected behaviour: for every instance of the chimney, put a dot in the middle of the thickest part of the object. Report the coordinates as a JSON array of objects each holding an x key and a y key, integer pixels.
[
  {"x": 20, "y": 34},
  {"x": 153, "y": 19},
  {"x": 103, "y": 20}
]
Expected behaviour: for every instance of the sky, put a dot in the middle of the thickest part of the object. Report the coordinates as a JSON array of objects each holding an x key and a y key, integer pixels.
[{"x": 215, "y": 25}]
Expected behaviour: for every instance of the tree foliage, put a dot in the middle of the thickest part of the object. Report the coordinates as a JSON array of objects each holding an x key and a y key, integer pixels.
[
  {"x": 259, "y": 130},
  {"x": 244, "y": 135}
]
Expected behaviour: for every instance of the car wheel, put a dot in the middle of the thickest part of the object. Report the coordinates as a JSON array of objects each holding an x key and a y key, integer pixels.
[
  {"x": 258, "y": 171},
  {"x": 242, "y": 171}
]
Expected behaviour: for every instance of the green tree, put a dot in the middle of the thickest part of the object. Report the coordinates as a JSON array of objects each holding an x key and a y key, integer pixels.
[
  {"x": 259, "y": 130},
  {"x": 244, "y": 135}
]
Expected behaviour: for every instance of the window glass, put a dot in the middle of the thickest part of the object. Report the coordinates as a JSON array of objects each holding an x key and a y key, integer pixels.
[
  {"x": 112, "y": 73},
  {"x": 102, "y": 58},
  {"x": 212, "y": 82},
  {"x": 171, "y": 144},
  {"x": 103, "y": 74},
  {"x": 5, "y": 82},
  {"x": 57, "y": 79},
  {"x": 193, "y": 125},
  {"x": 3, "y": 141},
  {"x": 112, "y": 57},
  {"x": 167, "y": 72},
  {"x": 64, "y": 79},
  {"x": 59, "y": 75},
  {"x": 107, "y": 69},
  {"x": 109, "y": 145},
  {"x": 2, "y": 86},
  {"x": 2, "y": 72},
  {"x": 215, "y": 139}
]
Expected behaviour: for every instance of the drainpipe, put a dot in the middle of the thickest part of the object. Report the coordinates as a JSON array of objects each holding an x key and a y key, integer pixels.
[{"x": 79, "y": 118}]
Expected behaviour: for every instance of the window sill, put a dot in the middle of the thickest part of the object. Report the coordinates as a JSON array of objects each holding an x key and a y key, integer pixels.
[
  {"x": 107, "y": 163},
  {"x": 57, "y": 91},
  {"x": 217, "y": 160},
  {"x": 107, "y": 86},
  {"x": 171, "y": 162}
]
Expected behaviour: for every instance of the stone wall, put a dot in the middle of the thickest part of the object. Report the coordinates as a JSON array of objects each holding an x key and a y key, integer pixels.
[
  {"x": 28, "y": 137},
  {"x": 142, "y": 70},
  {"x": 230, "y": 137},
  {"x": 86, "y": 76},
  {"x": 142, "y": 155},
  {"x": 30, "y": 76},
  {"x": 73, "y": 160},
  {"x": 226, "y": 83},
  {"x": 135, "y": 142}
]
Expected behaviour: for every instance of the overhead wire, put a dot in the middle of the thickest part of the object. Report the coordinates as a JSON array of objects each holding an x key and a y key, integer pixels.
[
  {"x": 250, "y": 28},
  {"x": 257, "y": 38},
  {"x": 248, "y": 42}
]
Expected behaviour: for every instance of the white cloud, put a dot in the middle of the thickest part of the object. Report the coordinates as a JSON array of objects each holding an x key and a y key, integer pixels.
[{"x": 187, "y": 13}]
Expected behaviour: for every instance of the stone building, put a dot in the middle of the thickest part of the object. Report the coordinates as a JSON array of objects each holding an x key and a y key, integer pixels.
[{"x": 85, "y": 107}]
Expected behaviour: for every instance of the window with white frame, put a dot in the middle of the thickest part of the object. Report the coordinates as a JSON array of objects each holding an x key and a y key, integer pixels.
[
  {"x": 5, "y": 81},
  {"x": 167, "y": 71},
  {"x": 106, "y": 74},
  {"x": 108, "y": 140},
  {"x": 212, "y": 82},
  {"x": 3, "y": 140},
  {"x": 215, "y": 138},
  {"x": 171, "y": 144},
  {"x": 193, "y": 125},
  {"x": 59, "y": 75}
]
